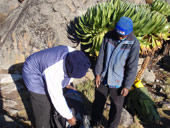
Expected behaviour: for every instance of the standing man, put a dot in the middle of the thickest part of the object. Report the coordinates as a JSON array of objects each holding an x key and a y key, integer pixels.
[
  {"x": 45, "y": 74},
  {"x": 115, "y": 71}
]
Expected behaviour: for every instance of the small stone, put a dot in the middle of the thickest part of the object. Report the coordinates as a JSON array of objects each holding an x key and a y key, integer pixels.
[
  {"x": 154, "y": 86},
  {"x": 157, "y": 80},
  {"x": 9, "y": 103},
  {"x": 12, "y": 111},
  {"x": 161, "y": 90},
  {"x": 90, "y": 75},
  {"x": 166, "y": 105},
  {"x": 8, "y": 88},
  {"x": 23, "y": 114},
  {"x": 6, "y": 121}
]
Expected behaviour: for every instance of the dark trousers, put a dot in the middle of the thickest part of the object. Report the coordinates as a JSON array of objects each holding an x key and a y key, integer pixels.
[
  {"x": 42, "y": 110},
  {"x": 117, "y": 101}
]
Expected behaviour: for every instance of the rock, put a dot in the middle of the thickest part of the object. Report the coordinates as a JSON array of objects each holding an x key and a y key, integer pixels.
[
  {"x": 166, "y": 105},
  {"x": 79, "y": 81},
  {"x": 136, "y": 1},
  {"x": 163, "y": 114},
  {"x": 157, "y": 98},
  {"x": 28, "y": 27},
  {"x": 168, "y": 96},
  {"x": 7, "y": 6},
  {"x": 35, "y": 25},
  {"x": 7, "y": 122},
  {"x": 27, "y": 123},
  {"x": 9, "y": 103},
  {"x": 22, "y": 114},
  {"x": 9, "y": 78},
  {"x": 167, "y": 91},
  {"x": 90, "y": 75},
  {"x": 126, "y": 118},
  {"x": 12, "y": 112},
  {"x": 168, "y": 1},
  {"x": 157, "y": 80},
  {"x": 140, "y": 61},
  {"x": 161, "y": 90},
  {"x": 46, "y": 9},
  {"x": 154, "y": 86},
  {"x": 136, "y": 123},
  {"x": 8, "y": 88},
  {"x": 148, "y": 76},
  {"x": 167, "y": 81}
]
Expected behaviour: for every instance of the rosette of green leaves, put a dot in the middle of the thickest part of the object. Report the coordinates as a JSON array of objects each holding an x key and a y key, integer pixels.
[
  {"x": 102, "y": 18},
  {"x": 93, "y": 25},
  {"x": 147, "y": 33},
  {"x": 147, "y": 26},
  {"x": 161, "y": 6}
]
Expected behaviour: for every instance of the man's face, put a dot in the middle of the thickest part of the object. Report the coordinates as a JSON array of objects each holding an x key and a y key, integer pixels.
[{"x": 121, "y": 37}]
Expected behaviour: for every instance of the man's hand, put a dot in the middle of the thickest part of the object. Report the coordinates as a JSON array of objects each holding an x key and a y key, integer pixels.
[
  {"x": 124, "y": 92},
  {"x": 70, "y": 87},
  {"x": 98, "y": 80},
  {"x": 72, "y": 121}
]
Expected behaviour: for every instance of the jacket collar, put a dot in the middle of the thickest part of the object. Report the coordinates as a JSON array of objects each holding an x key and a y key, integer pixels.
[{"x": 130, "y": 37}]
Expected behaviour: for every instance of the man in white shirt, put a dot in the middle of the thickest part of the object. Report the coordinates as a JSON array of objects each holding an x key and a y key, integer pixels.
[{"x": 45, "y": 74}]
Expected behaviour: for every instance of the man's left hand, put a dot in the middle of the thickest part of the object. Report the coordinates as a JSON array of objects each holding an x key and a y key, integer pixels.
[{"x": 124, "y": 92}]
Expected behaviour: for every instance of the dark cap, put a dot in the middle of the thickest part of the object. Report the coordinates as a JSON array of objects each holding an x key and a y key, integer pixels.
[{"x": 77, "y": 64}]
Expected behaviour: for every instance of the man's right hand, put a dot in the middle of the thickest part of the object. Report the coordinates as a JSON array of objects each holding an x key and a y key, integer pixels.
[
  {"x": 72, "y": 121},
  {"x": 98, "y": 80}
]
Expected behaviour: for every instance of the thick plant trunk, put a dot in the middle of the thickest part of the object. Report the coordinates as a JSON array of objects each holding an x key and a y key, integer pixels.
[
  {"x": 166, "y": 50},
  {"x": 143, "y": 67},
  {"x": 149, "y": 1}
]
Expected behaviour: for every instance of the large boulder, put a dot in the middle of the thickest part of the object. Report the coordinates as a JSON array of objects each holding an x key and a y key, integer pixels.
[
  {"x": 32, "y": 25},
  {"x": 7, "y": 6},
  {"x": 168, "y": 1},
  {"x": 136, "y": 1}
]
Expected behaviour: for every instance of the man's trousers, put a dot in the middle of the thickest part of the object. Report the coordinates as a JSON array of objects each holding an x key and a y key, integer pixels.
[
  {"x": 41, "y": 109},
  {"x": 116, "y": 100}
]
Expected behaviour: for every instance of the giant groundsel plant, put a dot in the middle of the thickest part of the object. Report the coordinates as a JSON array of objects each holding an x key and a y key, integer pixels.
[
  {"x": 93, "y": 25},
  {"x": 150, "y": 24},
  {"x": 161, "y": 6}
]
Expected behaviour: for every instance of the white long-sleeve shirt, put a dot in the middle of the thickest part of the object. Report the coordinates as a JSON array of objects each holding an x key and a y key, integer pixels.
[{"x": 45, "y": 71}]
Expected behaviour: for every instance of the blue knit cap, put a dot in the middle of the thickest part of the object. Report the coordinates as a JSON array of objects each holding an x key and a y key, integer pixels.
[
  {"x": 77, "y": 64},
  {"x": 124, "y": 26}
]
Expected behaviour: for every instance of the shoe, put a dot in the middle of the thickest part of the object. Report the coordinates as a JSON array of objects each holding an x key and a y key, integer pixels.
[
  {"x": 99, "y": 126},
  {"x": 95, "y": 124}
]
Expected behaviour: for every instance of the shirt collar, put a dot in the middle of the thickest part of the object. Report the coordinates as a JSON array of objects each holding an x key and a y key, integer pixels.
[{"x": 65, "y": 71}]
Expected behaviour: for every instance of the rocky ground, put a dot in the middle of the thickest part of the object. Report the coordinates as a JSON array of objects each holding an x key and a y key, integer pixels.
[
  {"x": 16, "y": 111},
  {"x": 160, "y": 89},
  {"x": 156, "y": 79},
  {"x": 31, "y": 25}
]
